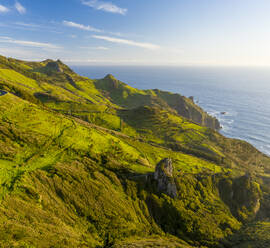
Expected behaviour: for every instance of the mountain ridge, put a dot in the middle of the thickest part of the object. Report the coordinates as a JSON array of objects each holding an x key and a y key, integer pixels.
[{"x": 78, "y": 159}]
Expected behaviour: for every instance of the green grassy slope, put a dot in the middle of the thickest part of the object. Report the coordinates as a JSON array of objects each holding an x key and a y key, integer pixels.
[
  {"x": 46, "y": 156},
  {"x": 66, "y": 89},
  {"x": 101, "y": 102},
  {"x": 128, "y": 97},
  {"x": 76, "y": 164}
]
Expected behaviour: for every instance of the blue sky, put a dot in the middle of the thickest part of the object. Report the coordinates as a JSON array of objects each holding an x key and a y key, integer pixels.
[{"x": 139, "y": 32}]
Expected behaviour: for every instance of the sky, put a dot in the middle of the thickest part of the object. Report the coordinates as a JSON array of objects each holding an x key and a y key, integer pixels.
[{"x": 137, "y": 32}]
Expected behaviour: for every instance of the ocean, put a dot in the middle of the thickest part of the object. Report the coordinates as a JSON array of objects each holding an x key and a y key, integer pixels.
[{"x": 243, "y": 94}]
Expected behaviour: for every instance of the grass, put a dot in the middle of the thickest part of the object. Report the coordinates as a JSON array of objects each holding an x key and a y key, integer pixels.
[
  {"x": 48, "y": 141},
  {"x": 150, "y": 242},
  {"x": 77, "y": 161},
  {"x": 253, "y": 235},
  {"x": 11, "y": 75}
]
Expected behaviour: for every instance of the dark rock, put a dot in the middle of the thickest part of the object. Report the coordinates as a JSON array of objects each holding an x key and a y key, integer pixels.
[
  {"x": 164, "y": 177},
  {"x": 189, "y": 109},
  {"x": 55, "y": 66}
]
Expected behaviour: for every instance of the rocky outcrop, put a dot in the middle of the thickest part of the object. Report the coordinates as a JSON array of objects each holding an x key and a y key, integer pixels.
[
  {"x": 54, "y": 66},
  {"x": 164, "y": 177},
  {"x": 188, "y": 109}
]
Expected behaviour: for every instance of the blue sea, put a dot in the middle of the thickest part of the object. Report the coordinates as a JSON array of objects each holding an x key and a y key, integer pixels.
[{"x": 242, "y": 93}]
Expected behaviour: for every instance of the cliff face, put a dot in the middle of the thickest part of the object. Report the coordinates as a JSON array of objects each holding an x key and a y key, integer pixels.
[
  {"x": 129, "y": 97},
  {"x": 188, "y": 109},
  {"x": 164, "y": 177}
]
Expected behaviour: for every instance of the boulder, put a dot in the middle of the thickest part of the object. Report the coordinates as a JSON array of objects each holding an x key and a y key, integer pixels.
[{"x": 164, "y": 177}]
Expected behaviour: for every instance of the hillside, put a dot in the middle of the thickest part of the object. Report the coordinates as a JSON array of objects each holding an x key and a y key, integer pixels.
[
  {"x": 57, "y": 86},
  {"x": 97, "y": 163}
]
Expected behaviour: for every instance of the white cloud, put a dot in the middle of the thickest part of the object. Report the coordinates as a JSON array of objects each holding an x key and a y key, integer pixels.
[
  {"x": 89, "y": 28},
  {"x": 27, "y": 43},
  {"x": 81, "y": 26},
  {"x": 3, "y": 9},
  {"x": 128, "y": 42},
  {"x": 105, "y": 6},
  {"x": 20, "y": 8}
]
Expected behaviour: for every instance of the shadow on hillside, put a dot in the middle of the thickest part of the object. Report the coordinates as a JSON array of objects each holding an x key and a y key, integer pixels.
[
  {"x": 160, "y": 207},
  {"x": 2, "y": 92},
  {"x": 168, "y": 215},
  {"x": 252, "y": 235}
]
